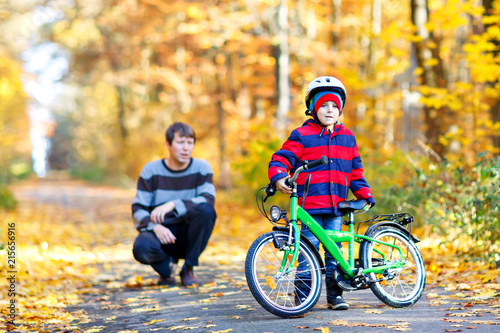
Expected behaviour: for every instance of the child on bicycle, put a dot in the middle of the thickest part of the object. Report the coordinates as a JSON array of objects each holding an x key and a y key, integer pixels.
[{"x": 322, "y": 135}]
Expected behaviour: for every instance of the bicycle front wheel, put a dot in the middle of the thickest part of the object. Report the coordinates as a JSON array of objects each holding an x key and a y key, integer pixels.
[
  {"x": 400, "y": 287},
  {"x": 283, "y": 294}
]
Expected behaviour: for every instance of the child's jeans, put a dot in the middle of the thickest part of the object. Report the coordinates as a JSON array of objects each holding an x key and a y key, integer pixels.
[{"x": 302, "y": 280}]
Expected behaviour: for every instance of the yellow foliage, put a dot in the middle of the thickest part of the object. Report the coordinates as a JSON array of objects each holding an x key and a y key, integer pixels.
[
  {"x": 195, "y": 12},
  {"x": 491, "y": 19},
  {"x": 431, "y": 62},
  {"x": 14, "y": 122},
  {"x": 79, "y": 34},
  {"x": 418, "y": 71}
]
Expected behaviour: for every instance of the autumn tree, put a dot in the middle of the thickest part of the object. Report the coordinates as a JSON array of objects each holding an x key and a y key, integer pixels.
[
  {"x": 14, "y": 123},
  {"x": 229, "y": 67},
  {"x": 491, "y": 25},
  {"x": 15, "y": 146}
]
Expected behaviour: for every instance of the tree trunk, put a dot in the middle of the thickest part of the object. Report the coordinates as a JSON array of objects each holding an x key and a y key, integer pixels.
[
  {"x": 113, "y": 54},
  {"x": 495, "y": 109},
  {"x": 283, "y": 68},
  {"x": 224, "y": 179},
  {"x": 431, "y": 76},
  {"x": 121, "y": 114},
  {"x": 376, "y": 28},
  {"x": 337, "y": 16}
]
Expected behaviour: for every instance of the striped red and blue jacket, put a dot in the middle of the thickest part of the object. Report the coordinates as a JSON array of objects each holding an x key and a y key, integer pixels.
[{"x": 330, "y": 183}]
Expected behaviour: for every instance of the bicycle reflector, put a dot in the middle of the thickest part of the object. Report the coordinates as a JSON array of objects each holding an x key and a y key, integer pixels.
[{"x": 275, "y": 213}]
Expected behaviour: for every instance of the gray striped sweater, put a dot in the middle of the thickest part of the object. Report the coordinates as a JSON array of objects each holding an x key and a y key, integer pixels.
[{"x": 159, "y": 184}]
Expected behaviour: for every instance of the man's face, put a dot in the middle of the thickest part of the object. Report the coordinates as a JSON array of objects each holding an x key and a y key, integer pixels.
[{"x": 181, "y": 149}]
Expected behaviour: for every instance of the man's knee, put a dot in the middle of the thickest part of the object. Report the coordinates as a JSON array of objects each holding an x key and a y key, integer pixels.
[
  {"x": 147, "y": 249},
  {"x": 204, "y": 212},
  {"x": 207, "y": 210},
  {"x": 140, "y": 252}
]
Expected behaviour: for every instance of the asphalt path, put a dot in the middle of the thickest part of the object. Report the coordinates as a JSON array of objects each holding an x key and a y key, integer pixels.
[{"x": 223, "y": 303}]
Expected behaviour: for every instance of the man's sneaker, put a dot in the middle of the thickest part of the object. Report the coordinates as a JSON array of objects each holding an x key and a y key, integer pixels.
[
  {"x": 166, "y": 281},
  {"x": 187, "y": 277},
  {"x": 337, "y": 303}
]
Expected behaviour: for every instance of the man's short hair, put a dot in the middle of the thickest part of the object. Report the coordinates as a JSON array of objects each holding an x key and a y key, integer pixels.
[{"x": 180, "y": 128}]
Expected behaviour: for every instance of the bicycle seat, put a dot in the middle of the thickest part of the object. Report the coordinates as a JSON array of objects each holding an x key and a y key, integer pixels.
[{"x": 352, "y": 205}]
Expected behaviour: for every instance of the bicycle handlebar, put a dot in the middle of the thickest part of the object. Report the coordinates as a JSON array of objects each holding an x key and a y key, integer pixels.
[
  {"x": 323, "y": 160},
  {"x": 307, "y": 165}
]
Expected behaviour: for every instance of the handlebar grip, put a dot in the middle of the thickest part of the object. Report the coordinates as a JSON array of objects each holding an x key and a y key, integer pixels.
[
  {"x": 270, "y": 190},
  {"x": 323, "y": 160}
]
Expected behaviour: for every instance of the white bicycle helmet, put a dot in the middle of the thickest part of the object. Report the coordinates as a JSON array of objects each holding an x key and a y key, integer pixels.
[{"x": 325, "y": 83}]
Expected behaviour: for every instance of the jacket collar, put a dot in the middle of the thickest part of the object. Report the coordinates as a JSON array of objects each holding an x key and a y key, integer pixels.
[{"x": 322, "y": 129}]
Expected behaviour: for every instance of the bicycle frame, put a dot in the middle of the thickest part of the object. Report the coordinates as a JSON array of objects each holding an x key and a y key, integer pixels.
[{"x": 329, "y": 239}]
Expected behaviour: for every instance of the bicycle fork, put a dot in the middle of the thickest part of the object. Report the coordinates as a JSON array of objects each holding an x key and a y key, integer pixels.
[{"x": 290, "y": 255}]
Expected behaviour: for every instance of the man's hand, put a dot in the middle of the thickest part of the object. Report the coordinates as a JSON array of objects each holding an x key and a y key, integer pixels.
[
  {"x": 158, "y": 214},
  {"x": 164, "y": 234},
  {"x": 280, "y": 185}
]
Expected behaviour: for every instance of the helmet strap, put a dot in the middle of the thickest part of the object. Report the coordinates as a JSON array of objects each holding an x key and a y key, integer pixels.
[{"x": 315, "y": 118}]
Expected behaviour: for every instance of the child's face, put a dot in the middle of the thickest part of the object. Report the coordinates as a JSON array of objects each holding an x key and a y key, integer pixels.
[{"x": 328, "y": 113}]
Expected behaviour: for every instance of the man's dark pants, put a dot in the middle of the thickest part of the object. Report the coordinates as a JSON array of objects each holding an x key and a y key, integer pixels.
[{"x": 192, "y": 233}]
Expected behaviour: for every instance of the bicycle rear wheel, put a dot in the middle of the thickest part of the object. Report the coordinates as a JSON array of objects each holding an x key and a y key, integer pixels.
[
  {"x": 400, "y": 287},
  {"x": 286, "y": 295}
]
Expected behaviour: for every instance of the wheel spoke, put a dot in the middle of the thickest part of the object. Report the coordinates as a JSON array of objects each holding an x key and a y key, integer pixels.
[
  {"x": 288, "y": 291},
  {"x": 402, "y": 288},
  {"x": 272, "y": 253}
]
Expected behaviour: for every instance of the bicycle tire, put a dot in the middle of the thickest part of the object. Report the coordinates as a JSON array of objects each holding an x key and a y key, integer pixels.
[
  {"x": 264, "y": 259},
  {"x": 407, "y": 284}
]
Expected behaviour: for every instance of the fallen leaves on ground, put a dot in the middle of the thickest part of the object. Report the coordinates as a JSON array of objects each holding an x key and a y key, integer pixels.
[
  {"x": 69, "y": 244},
  {"x": 346, "y": 323}
]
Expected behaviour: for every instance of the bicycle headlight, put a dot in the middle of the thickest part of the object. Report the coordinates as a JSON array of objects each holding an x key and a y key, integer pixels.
[{"x": 275, "y": 213}]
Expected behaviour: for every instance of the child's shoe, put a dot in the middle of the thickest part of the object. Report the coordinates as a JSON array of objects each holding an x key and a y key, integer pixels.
[{"x": 337, "y": 303}]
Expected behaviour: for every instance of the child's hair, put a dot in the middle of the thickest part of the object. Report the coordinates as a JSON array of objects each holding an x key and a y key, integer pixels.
[{"x": 182, "y": 129}]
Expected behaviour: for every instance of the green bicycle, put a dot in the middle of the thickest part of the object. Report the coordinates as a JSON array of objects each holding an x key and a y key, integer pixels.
[{"x": 280, "y": 261}]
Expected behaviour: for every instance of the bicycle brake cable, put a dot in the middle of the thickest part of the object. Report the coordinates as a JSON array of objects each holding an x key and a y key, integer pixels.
[{"x": 263, "y": 209}]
